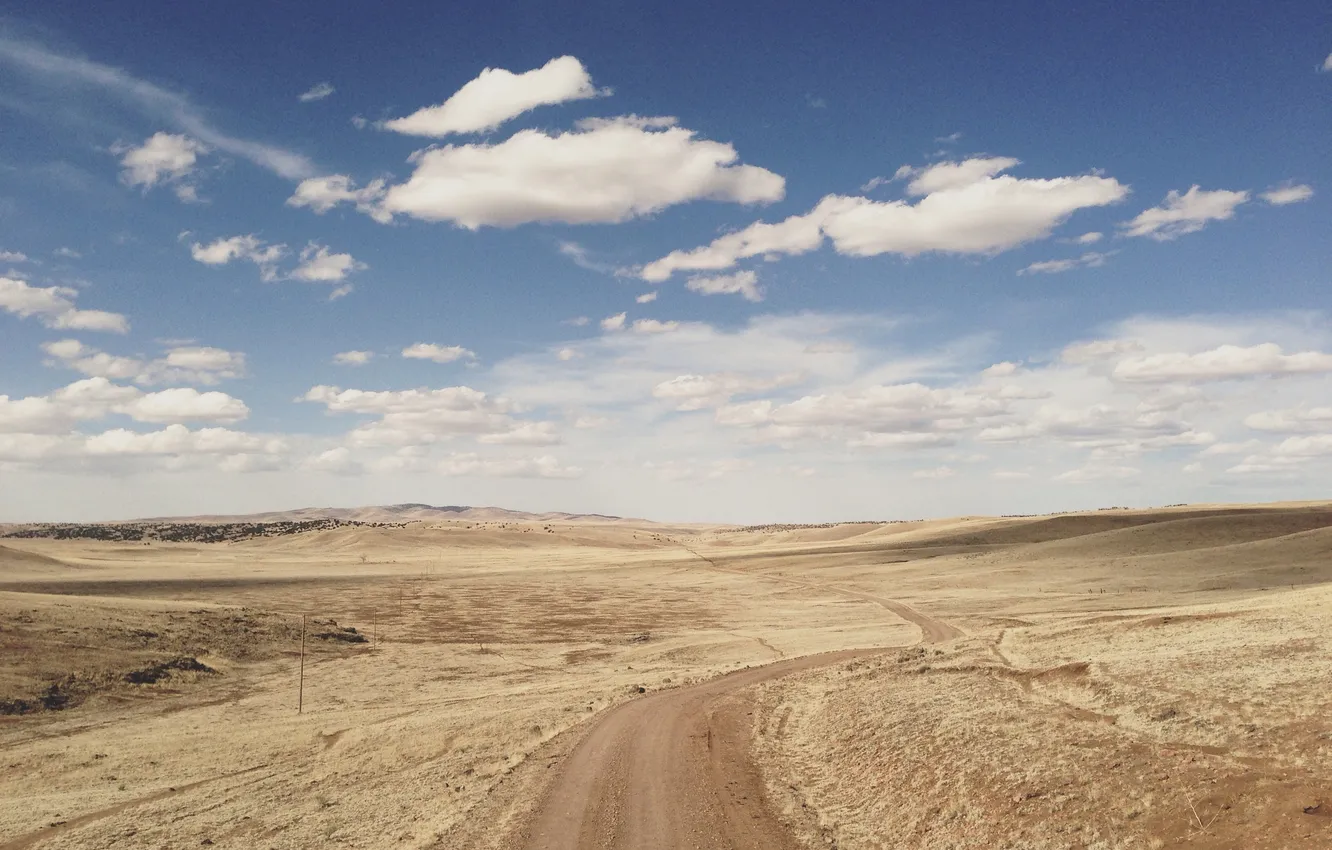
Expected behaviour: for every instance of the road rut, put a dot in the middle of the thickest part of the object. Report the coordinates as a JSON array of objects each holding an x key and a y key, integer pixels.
[{"x": 672, "y": 769}]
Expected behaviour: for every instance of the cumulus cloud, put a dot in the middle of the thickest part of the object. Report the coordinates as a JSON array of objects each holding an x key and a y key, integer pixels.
[
  {"x": 1099, "y": 350},
  {"x": 526, "y": 434},
  {"x": 613, "y": 323},
  {"x": 54, "y": 307},
  {"x": 653, "y": 326},
  {"x": 1223, "y": 363},
  {"x": 163, "y": 159},
  {"x": 1282, "y": 195},
  {"x": 497, "y": 96},
  {"x": 191, "y": 364},
  {"x": 646, "y": 298},
  {"x": 695, "y": 392},
  {"x": 353, "y": 358},
  {"x": 1089, "y": 260},
  {"x": 316, "y": 264},
  {"x": 421, "y": 417},
  {"x": 96, "y": 398},
  {"x": 318, "y": 91},
  {"x": 743, "y": 283},
  {"x": 1185, "y": 213},
  {"x": 903, "y": 416},
  {"x": 186, "y": 404},
  {"x": 336, "y": 461},
  {"x": 249, "y": 247},
  {"x": 13, "y": 257},
  {"x": 178, "y": 440},
  {"x": 1089, "y": 238},
  {"x": 322, "y": 194},
  {"x": 321, "y": 265},
  {"x": 966, "y": 207},
  {"x": 437, "y": 353},
  {"x": 611, "y": 173}
]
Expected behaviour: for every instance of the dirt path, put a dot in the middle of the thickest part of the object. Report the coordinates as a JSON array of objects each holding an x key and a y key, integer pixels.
[{"x": 672, "y": 770}]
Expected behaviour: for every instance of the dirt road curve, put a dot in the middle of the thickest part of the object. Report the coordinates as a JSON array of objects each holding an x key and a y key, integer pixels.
[{"x": 672, "y": 770}]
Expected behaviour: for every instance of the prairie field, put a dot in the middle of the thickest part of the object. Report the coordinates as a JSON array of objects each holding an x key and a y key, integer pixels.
[{"x": 1117, "y": 679}]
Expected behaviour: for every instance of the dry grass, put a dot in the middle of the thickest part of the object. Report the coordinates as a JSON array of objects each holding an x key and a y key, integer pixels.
[{"x": 1129, "y": 680}]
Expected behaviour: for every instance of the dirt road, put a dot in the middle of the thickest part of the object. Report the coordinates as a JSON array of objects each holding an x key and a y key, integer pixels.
[{"x": 672, "y": 770}]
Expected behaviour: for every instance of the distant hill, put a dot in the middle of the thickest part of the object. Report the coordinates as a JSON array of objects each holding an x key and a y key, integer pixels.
[{"x": 407, "y": 512}]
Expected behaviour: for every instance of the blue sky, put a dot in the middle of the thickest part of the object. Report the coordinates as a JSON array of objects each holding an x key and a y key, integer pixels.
[{"x": 675, "y": 261}]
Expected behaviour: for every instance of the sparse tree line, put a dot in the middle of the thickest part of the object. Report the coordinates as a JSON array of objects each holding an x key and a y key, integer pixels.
[{"x": 184, "y": 532}]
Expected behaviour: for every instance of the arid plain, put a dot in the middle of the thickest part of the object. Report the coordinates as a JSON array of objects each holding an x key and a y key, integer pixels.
[{"x": 1115, "y": 679}]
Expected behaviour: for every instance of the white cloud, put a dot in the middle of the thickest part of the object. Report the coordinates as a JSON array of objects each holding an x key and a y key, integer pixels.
[
  {"x": 250, "y": 247},
  {"x": 1291, "y": 421},
  {"x": 578, "y": 321},
  {"x": 1089, "y": 260},
  {"x": 955, "y": 175},
  {"x": 611, "y": 173},
  {"x": 1282, "y": 195},
  {"x": 422, "y": 417},
  {"x": 353, "y": 358},
  {"x": 646, "y": 298},
  {"x": 204, "y": 359},
  {"x": 1327, "y": 63},
  {"x": 1089, "y": 238},
  {"x": 1001, "y": 370},
  {"x": 186, "y": 404},
  {"x": 1227, "y": 362},
  {"x": 1186, "y": 213},
  {"x": 62, "y": 70},
  {"x": 797, "y": 234},
  {"x": 613, "y": 323},
  {"x": 470, "y": 464},
  {"x": 320, "y": 265},
  {"x": 195, "y": 364},
  {"x": 526, "y": 434},
  {"x": 336, "y": 461},
  {"x": 68, "y": 253},
  {"x": 744, "y": 283},
  {"x": 695, "y": 392},
  {"x": 54, "y": 307},
  {"x": 322, "y": 194},
  {"x": 938, "y": 473},
  {"x": 583, "y": 258},
  {"x": 1093, "y": 472},
  {"x": 497, "y": 96},
  {"x": 97, "y": 398},
  {"x": 163, "y": 158},
  {"x": 437, "y": 353},
  {"x": 967, "y": 207},
  {"x": 653, "y": 326},
  {"x": 566, "y": 354},
  {"x": 13, "y": 257},
  {"x": 1099, "y": 350},
  {"x": 318, "y": 91},
  {"x": 176, "y": 439}
]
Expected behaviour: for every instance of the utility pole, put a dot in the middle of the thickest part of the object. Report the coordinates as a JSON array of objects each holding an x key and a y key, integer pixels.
[{"x": 300, "y": 699}]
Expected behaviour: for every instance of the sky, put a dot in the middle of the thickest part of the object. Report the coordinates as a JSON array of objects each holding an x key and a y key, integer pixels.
[{"x": 741, "y": 263}]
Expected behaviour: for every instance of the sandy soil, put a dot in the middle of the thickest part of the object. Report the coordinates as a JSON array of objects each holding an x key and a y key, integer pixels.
[{"x": 1108, "y": 680}]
